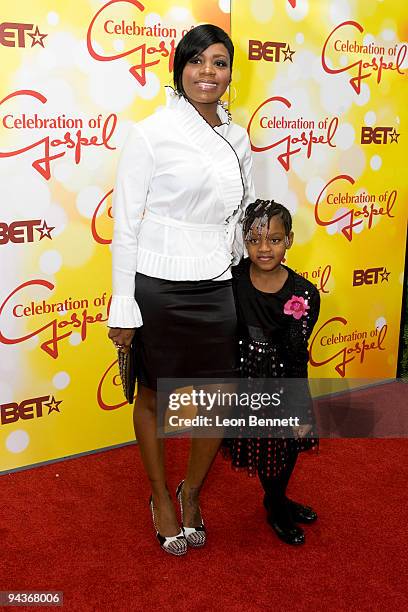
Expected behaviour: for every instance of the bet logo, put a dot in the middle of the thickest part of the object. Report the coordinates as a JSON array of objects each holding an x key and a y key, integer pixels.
[
  {"x": 23, "y": 231},
  {"x": 370, "y": 276},
  {"x": 269, "y": 51},
  {"x": 378, "y": 135},
  {"x": 32, "y": 408},
  {"x": 15, "y": 34}
]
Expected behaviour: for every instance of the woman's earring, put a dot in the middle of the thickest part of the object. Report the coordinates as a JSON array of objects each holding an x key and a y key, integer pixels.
[
  {"x": 176, "y": 91},
  {"x": 225, "y": 106}
]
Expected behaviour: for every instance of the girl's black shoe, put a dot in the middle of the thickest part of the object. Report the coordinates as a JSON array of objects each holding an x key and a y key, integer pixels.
[
  {"x": 281, "y": 520},
  {"x": 286, "y": 530},
  {"x": 300, "y": 513}
]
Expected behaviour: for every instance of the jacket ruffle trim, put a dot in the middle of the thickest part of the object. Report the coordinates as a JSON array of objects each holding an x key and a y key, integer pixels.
[
  {"x": 219, "y": 151},
  {"x": 180, "y": 268}
]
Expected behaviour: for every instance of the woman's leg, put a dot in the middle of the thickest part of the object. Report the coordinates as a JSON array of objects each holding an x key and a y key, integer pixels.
[
  {"x": 202, "y": 453},
  {"x": 152, "y": 454}
]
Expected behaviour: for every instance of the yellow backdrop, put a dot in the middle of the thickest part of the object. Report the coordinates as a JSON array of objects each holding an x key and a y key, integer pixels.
[
  {"x": 74, "y": 78},
  {"x": 320, "y": 86}
]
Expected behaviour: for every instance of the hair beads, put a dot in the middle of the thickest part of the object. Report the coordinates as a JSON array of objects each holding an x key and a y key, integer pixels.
[{"x": 259, "y": 213}]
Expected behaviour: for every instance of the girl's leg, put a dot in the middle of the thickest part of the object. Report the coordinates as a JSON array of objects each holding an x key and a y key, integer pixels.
[
  {"x": 152, "y": 454},
  {"x": 275, "y": 486},
  {"x": 279, "y": 509},
  {"x": 275, "y": 494}
]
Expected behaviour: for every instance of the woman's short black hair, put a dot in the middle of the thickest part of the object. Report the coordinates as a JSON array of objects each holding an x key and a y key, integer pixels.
[
  {"x": 195, "y": 42},
  {"x": 263, "y": 211}
]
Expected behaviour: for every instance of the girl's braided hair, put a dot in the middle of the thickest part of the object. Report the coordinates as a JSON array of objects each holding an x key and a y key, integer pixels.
[{"x": 259, "y": 213}]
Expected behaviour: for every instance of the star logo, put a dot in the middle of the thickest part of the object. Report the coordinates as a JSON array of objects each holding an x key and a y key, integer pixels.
[
  {"x": 53, "y": 405},
  {"x": 394, "y": 136},
  {"x": 37, "y": 38},
  {"x": 384, "y": 275},
  {"x": 288, "y": 54},
  {"x": 45, "y": 230}
]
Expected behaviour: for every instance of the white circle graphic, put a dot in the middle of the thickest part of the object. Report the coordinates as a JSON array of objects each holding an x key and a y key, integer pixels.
[
  {"x": 376, "y": 162},
  {"x": 225, "y": 5},
  {"x": 17, "y": 441},
  {"x": 53, "y": 18},
  {"x": 370, "y": 118},
  {"x": 380, "y": 322},
  {"x": 61, "y": 380},
  {"x": 50, "y": 262}
]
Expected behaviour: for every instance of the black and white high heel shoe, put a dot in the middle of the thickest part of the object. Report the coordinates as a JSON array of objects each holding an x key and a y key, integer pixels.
[
  {"x": 195, "y": 536},
  {"x": 174, "y": 545}
]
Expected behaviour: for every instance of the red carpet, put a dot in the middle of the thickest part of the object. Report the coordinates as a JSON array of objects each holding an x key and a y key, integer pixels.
[{"x": 88, "y": 533}]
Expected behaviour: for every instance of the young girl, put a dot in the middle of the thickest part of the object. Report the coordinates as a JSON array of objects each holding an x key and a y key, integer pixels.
[{"x": 277, "y": 310}]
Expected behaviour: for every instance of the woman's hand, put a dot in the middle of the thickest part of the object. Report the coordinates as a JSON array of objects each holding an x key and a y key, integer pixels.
[{"x": 121, "y": 337}]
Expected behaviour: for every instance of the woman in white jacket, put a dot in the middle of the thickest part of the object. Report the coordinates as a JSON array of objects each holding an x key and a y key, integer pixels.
[{"x": 183, "y": 180}]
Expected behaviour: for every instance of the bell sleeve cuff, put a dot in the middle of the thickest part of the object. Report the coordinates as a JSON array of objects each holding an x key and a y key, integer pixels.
[{"x": 124, "y": 312}]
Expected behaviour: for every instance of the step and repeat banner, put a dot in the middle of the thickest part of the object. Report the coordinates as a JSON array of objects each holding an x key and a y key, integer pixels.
[
  {"x": 320, "y": 87},
  {"x": 75, "y": 75}
]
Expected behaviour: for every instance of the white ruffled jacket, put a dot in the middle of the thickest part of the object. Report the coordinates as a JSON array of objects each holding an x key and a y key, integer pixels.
[{"x": 180, "y": 192}]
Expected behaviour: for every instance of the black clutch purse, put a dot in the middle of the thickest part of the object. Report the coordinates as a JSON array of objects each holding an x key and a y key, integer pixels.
[{"x": 127, "y": 371}]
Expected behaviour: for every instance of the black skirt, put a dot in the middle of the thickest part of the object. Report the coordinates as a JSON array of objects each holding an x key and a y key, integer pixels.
[{"x": 189, "y": 330}]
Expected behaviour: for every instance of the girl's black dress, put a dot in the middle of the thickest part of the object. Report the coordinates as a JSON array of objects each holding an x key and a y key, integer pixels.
[{"x": 272, "y": 344}]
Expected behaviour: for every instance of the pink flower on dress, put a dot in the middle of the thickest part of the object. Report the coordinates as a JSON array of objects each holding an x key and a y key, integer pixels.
[{"x": 296, "y": 306}]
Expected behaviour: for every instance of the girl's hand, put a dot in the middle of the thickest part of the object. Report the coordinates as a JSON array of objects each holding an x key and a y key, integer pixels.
[
  {"x": 121, "y": 338},
  {"x": 301, "y": 430}
]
